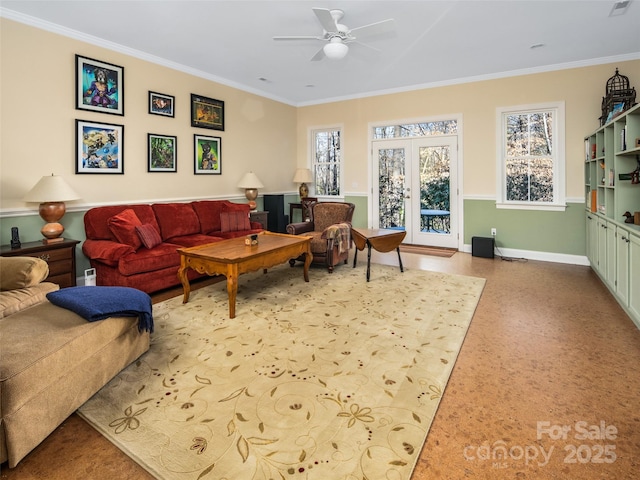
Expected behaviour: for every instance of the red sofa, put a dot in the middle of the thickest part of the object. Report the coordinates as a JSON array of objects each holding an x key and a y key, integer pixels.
[{"x": 136, "y": 245}]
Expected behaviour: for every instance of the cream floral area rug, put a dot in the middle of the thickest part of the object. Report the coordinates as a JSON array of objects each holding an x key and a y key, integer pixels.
[{"x": 332, "y": 379}]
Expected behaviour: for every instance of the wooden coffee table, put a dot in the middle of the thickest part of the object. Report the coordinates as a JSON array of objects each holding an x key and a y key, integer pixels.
[
  {"x": 382, "y": 240},
  {"x": 233, "y": 257}
]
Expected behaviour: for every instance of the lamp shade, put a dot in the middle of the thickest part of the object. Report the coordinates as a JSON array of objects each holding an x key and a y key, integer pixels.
[
  {"x": 335, "y": 50},
  {"x": 250, "y": 180},
  {"x": 52, "y": 188},
  {"x": 302, "y": 175}
]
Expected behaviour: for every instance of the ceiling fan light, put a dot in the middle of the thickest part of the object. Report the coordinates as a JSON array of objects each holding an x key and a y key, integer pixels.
[{"x": 335, "y": 50}]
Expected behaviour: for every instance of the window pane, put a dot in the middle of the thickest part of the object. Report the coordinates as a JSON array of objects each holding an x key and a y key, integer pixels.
[
  {"x": 517, "y": 180},
  {"x": 327, "y": 179},
  {"x": 542, "y": 180},
  {"x": 446, "y": 127},
  {"x": 327, "y": 146},
  {"x": 530, "y": 180},
  {"x": 391, "y": 187},
  {"x": 529, "y": 134},
  {"x": 326, "y": 167},
  {"x": 517, "y": 137}
]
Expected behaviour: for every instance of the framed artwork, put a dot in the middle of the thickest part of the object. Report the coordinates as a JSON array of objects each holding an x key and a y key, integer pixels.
[
  {"x": 162, "y": 153},
  {"x": 99, "y": 86},
  {"x": 207, "y": 112},
  {"x": 207, "y": 153},
  {"x": 99, "y": 147},
  {"x": 161, "y": 104}
]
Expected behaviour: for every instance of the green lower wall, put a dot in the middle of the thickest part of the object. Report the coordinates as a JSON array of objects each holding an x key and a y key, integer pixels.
[
  {"x": 553, "y": 232},
  {"x": 30, "y": 225},
  {"x": 360, "y": 214}
]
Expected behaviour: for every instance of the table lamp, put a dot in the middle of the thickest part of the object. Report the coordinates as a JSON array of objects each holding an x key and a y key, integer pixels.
[
  {"x": 51, "y": 192},
  {"x": 251, "y": 183},
  {"x": 303, "y": 176}
]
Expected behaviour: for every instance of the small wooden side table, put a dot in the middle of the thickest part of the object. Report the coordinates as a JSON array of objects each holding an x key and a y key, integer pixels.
[
  {"x": 303, "y": 207},
  {"x": 60, "y": 256},
  {"x": 382, "y": 240},
  {"x": 260, "y": 217}
]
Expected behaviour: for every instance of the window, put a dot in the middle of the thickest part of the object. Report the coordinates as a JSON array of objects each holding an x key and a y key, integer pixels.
[
  {"x": 531, "y": 159},
  {"x": 327, "y": 161}
]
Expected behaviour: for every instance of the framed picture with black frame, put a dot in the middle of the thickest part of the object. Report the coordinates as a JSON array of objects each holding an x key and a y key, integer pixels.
[
  {"x": 99, "y": 86},
  {"x": 161, "y": 104},
  {"x": 99, "y": 147},
  {"x": 207, "y": 155},
  {"x": 207, "y": 112},
  {"x": 162, "y": 153}
]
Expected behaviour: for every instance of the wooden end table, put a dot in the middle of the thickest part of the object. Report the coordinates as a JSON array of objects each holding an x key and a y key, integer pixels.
[
  {"x": 381, "y": 240},
  {"x": 61, "y": 257},
  {"x": 233, "y": 257},
  {"x": 261, "y": 217}
]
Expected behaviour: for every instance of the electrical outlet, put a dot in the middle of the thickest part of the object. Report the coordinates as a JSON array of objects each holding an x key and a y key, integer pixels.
[{"x": 493, "y": 232}]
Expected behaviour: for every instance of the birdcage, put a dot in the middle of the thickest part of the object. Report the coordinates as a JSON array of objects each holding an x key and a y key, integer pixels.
[{"x": 619, "y": 97}]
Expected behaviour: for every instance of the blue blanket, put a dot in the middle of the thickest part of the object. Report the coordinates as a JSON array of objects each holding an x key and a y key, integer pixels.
[{"x": 98, "y": 303}]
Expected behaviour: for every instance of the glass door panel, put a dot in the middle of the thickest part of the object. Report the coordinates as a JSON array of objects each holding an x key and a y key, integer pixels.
[
  {"x": 391, "y": 187},
  {"x": 436, "y": 205}
]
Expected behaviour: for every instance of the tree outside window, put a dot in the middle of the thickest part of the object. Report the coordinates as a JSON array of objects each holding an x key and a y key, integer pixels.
[{"x": 327, "y": 162}]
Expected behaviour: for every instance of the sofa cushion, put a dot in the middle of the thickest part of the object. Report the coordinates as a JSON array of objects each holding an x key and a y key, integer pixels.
[
  {"x": 149, "y": 236},
  {"x": 176, "y": 219},
  {"x": 95, "y": 219},
  {"x": 236, "y": 207},
  {"x": 318, "y": 244},
  {"x": 150, "y": 259},
  {"x": 234, "y": 221},
  {"x": 208, "y": 212},
  {"x": 105, "y": 251},
  {"x": 22, "y": 272},
  {"x": 123, "y": 226},
  {"x": 13, "y": 301},
  {"x": 194, "y": 240}
]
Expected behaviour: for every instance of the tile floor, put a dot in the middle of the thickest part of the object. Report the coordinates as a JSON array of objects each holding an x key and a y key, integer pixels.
[{"x": 550, "y": 366}]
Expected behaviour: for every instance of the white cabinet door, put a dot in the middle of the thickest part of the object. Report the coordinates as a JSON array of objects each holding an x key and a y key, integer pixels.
[
  {"x": 592, "y": 239},
  {"x": 634, "y": 276},
  {"x": 611, "y": 254},
  {"x": 622, "y": 266},
  {"x": 602, "y": 247}
]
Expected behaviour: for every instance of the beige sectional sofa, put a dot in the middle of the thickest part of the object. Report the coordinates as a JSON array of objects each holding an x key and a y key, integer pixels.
[{"x": 51, "y": 359}]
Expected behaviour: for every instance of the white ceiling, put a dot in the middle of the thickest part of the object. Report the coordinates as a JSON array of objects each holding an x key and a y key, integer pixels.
[{"x": 435, "y": 42}]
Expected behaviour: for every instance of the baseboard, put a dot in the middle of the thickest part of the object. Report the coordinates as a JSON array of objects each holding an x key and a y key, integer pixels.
[{"x": 535, "y": 255}]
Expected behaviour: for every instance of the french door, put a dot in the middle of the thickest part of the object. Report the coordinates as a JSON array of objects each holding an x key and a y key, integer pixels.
[{"x": 415, "y": 188}]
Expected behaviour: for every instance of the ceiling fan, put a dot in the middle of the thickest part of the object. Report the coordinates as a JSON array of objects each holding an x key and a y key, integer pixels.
[{"x": 337, "y": 35}]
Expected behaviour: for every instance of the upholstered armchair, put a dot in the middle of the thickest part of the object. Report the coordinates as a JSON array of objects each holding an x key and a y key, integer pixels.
[{"x": 329, "y": 226}]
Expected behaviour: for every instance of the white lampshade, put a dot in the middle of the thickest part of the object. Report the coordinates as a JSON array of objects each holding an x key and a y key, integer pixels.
[
  {"x": 335, "y": 50},
  {"x": 302, "y": 175},
  {"x": 250, "y": 180},
  {"x": 51, "y": 192},
  {"x": 51, "y": 188}
]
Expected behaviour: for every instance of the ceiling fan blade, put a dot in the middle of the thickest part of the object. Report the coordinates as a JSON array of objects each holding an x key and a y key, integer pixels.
[
  {"x": 326, "y": 20},
  {"x": 319, "y": 55},
  {"x": 307, "y": 37},
  {"x": 377, "y": 28},
  {"x": 360, "y": 44}
]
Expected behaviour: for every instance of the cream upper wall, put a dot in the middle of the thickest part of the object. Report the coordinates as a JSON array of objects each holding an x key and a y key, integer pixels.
[
  {"x": 38, "y": 126},
  {"x": 37, "y": 81},
  {"x": 581, "y": 89}
]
